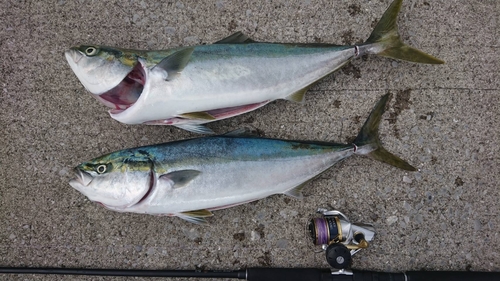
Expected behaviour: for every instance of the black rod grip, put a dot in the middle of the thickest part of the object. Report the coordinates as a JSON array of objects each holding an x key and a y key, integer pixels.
[{"x": 241, "y": 274}]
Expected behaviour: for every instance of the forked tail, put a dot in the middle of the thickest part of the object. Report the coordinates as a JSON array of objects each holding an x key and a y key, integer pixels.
[
  {"x": 385, "y": 40},
  {"x": 368, "y": 142}
]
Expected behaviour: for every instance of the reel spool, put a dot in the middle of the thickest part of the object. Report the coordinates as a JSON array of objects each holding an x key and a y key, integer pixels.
[{"x": 338, "y": 237}]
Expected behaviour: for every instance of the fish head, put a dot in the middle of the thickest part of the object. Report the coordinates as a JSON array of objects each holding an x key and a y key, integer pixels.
[
  {"x": 112, "y": 75},
  {"x": 117, "y": 181}
]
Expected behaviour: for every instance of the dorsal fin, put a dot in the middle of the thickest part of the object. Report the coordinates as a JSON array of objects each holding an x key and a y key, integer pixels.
[{"x": 235, "y": 38}]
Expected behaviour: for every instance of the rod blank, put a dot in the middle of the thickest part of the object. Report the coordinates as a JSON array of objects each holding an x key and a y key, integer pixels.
[{"x": 269, "y": 274}]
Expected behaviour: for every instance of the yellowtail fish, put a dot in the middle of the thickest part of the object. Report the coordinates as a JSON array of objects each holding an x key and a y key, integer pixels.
[
  {"x": 189, "y": 86},
  {"x": 191, "y": 178}
]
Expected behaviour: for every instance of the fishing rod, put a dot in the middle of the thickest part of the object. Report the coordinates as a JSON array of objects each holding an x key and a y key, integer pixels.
[
  {"x": 332, "y": 231},
  {"x": 272, "y": 274}
]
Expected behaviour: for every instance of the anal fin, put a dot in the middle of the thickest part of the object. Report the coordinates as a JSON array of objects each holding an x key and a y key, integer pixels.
[
  {"x": 198, "y": 115},
  {"x": 296, "y": 192},
  {"x": 298, "y": 96},
  {"x": 196, "y": 216}
]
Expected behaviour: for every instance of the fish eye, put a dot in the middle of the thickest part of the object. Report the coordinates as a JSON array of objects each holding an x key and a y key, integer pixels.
[
  {"x": 91, "y": 51},
  {"x": 101, "y": 169}
]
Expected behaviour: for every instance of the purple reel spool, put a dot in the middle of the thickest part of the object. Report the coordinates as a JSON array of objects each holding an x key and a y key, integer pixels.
[{"x": 324, "y": 230}]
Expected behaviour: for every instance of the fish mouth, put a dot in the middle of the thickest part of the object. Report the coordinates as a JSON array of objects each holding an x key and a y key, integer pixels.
[
  {"x": 73, "y": 57},
  {"x": 82, "y": 178},
  {"x": 127, "y": 92},
  {"x": 81, "y": 181}
]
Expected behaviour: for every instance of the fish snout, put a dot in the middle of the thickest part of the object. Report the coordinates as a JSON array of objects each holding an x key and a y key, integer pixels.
[
  {"x": 81, "y": 177},
  {"x": 73, "y": 56}
]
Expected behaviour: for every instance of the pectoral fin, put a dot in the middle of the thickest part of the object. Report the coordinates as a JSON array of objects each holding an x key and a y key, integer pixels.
[
  {"x": 175, "y": 63},
  {"x": 180, "y": 178},
  {"x": 235, "y": 38},
  {"x": 197, "y": 216}
]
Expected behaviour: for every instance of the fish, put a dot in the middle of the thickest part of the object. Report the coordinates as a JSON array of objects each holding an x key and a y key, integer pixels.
[
  {"x": 193, "y": 177},
  {"x": 190, "y": 86}
]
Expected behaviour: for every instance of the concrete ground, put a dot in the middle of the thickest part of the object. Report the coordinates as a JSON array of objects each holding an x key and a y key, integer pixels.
[{"x": 443, "y": 119}]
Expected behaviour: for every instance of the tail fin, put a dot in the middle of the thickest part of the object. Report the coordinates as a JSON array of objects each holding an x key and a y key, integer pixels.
[
  {"x": 368, "y": 141},
  {"x": 389, "y": 44}
]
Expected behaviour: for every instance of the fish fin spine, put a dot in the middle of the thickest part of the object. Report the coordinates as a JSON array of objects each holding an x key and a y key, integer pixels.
[
  {"x": 368, "y": 143},
  {"x": 386, "y": 37}
]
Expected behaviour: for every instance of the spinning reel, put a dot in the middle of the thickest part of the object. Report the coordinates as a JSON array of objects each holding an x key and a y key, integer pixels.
[{"x": 338, "y": 237}]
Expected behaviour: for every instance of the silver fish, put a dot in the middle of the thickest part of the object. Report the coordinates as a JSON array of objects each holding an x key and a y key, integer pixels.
[
  {"x": 190, "y": 86},
  {"x": 190, "y": 178}
]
